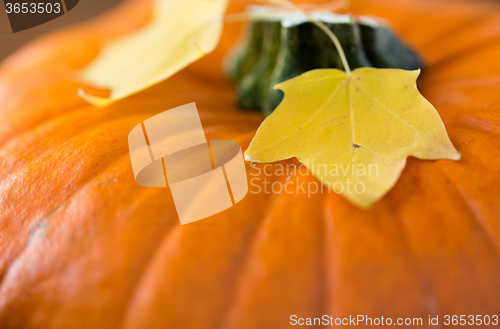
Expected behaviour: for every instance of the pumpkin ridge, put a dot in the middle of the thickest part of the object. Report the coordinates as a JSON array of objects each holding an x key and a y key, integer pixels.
[
  {"x": 69, "y": 202},
  {"x": 135, "y": 294},
  {"x": 248, "y": 286},
  {"x": 424, "y": 281},
  {"x": 6, "y": 264},
  {"x": 236, "y": 272},
  {"x": 479, "y": 219},
  {"x": 415, "y": 282},
  {"x": 11, "y": 136},
  {"x": 167, "y": 235},
  {"x": 21, "y": 165},
  {"x": 478, "y": 125},
  {"x": 4, "y": 269},
  {"x": 467, "y": 24},
  {"x": 15, "y": 255},
  {"x": 330, "y": 255},
  {"x": 482, "y": 45},
  {"x": 230, "y": 315},
  {"x": 462, "y": 250},
  {"x": 482, "y": 125},
  {"x": 85, "y": 129}
]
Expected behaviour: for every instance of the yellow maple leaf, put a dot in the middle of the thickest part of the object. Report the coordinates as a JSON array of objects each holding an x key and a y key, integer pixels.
[
  {"x": 353, "y": 128},
  {"x": 180, "y": 32}
]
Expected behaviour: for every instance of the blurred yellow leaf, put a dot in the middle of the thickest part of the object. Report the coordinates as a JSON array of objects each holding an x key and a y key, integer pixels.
[
  {"x": 180, "y": 32},
  {"x": 353, "y": 131}
]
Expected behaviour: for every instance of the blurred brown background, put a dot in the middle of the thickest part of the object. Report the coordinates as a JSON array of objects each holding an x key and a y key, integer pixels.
[{"x": 85, "y": 9}]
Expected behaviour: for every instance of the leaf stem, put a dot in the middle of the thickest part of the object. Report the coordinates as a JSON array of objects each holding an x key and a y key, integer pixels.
[{"x": 322, "y": 26}]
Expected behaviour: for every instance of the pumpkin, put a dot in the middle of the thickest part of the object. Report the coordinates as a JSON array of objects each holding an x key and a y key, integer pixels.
[{"x": 84, "y": 246}]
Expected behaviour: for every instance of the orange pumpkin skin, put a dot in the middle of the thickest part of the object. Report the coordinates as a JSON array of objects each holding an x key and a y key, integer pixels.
[{"x": 83, "y": 246}]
